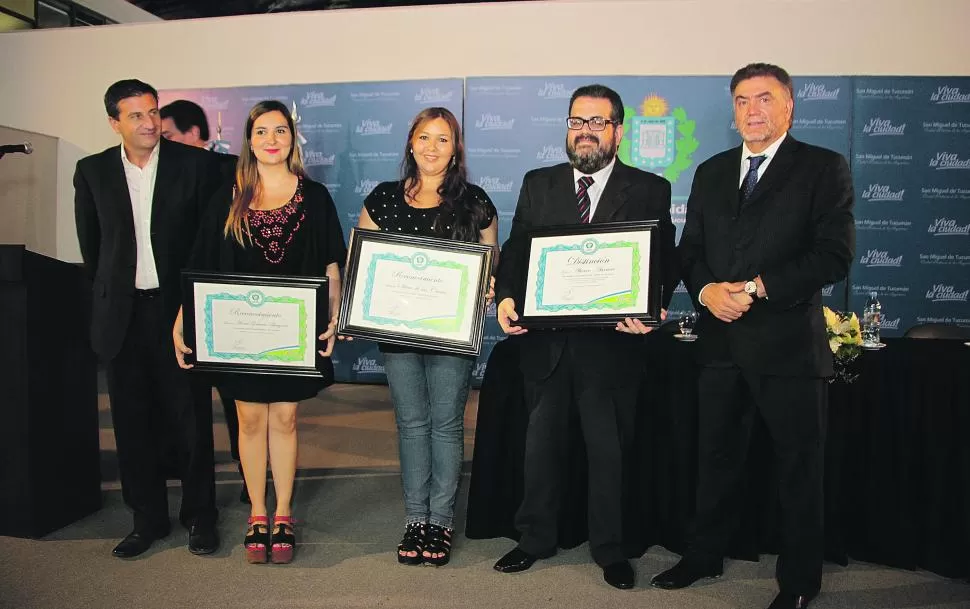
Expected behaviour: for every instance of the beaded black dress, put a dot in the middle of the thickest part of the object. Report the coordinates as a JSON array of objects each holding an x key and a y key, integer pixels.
[{"x": 298, "y": 239}]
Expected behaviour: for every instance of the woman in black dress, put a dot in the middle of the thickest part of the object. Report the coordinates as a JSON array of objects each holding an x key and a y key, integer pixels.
[
  {"x": 429, "y": 388},
  {"x": 273, "y": 221}
]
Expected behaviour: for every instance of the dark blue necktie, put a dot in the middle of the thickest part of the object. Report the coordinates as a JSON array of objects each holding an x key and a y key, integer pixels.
[
  {"x": 582, "y": 198},
  {"x": 751, "y": 178}
]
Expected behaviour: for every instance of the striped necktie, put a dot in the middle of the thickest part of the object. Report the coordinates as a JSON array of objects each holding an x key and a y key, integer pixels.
[{"x": 582, "y": 198}]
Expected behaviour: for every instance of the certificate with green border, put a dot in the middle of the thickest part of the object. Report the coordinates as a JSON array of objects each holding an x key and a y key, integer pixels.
[
  {"x": 254, "y": 323},
  {"x": 591, "y": 274},
  {"x": 418, "y": 291}
]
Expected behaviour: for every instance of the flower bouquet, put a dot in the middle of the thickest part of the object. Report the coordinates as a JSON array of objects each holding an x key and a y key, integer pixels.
[{"x": 845, "y": 341}]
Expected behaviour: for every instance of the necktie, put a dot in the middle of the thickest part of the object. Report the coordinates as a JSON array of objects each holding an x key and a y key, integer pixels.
[
  {"x": 582, "y": 198},
  {"x": 751, "y": 178}
]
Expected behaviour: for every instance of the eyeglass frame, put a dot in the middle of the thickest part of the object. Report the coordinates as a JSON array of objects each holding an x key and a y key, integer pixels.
[{"x": 587, "y": 122}]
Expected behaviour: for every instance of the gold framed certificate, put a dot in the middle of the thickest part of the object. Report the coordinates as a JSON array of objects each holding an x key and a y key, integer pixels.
[
  {"x": 256, "y": 324},
  {"x": 592, "y": 275},
  {"x": 415, "y": 291}
]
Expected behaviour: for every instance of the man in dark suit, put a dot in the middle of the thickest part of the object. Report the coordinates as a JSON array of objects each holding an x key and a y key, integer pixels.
[
  {"x": 137, "y": 207},
  {"x": 185, "y": 122},
  {"x": 769, "y": 223},
  {"x": 597, "y": 372}
]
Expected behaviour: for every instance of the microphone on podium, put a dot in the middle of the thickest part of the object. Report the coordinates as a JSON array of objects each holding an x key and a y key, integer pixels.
[{"x": 24, "y": 148}]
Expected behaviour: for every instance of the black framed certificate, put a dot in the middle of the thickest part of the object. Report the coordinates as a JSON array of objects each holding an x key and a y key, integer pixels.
[
  {"x": 592, "y": 275},
  {"x": 416, "y": 291},
  {"x": 258, "y": 324}
]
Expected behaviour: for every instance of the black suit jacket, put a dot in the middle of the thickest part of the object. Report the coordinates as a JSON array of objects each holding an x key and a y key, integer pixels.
[
  {"x": 796, "y": 231},
  {"x": 548, "y": 198},
  {"x": 227, "y": 167},
  {"x": 186, "y": 180}
]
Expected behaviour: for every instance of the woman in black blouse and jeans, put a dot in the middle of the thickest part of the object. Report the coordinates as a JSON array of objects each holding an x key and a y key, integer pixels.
[{"x": 429, "y": 388}]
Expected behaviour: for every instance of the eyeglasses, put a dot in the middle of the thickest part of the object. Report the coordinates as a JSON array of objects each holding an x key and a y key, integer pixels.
[{"x": 597, "y": 123}]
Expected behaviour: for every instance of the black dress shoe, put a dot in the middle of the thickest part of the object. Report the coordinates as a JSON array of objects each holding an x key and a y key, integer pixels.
[
  {"x": 203, "y": 539},
  {"x": 619, "y": 575},
  {"x": 518, "y": 560},
  {"x": 137, "y": 542},
  {"x": 685, "y": 573},
  {"x": 791, "y": 601}
]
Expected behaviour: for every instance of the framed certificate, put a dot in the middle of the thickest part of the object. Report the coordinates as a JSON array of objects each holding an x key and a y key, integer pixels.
[
  {"x": 592, "y": 275},
  {"x": 258, "y": 324},
  {"x": 415, "y": 291}
]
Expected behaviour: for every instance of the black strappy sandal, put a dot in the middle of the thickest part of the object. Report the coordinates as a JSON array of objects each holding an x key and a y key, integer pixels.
[
  {"x": 413, "y": 541},
  {"x": 257, "y": 540},
  {"x": 438, "y": 541},
  {"x": 284, "y": 540}
]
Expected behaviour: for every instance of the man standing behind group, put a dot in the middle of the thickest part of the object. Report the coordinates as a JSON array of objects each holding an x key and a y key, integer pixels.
[
  {"x": 596, "y": 372},
  {"x": 185, "y": 122},
  {"x": 137, "y": 208},
  {"x": 769, "y": 223}
]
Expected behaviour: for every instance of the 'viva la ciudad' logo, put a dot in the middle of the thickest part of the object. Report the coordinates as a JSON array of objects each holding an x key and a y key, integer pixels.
[
  {"x": 949, "y": 160},
  {"x": 367, "y": 365},
  {"x": 949, "y": 95},
  {"x": 942, "y": 227},
  {"x": 214, "y": 103},
  {"x": 881, "y": 258},
  {"x": 816, "y": 91},
  {"x": 882, "y": 192},
  {"x": 318, "y": 99},
  {"x": 947, "y": 226},
  {"x": 494, "y": 184},
  {"x": 494, "y": 122},
  {"x": 552, "y": 154},
  {"x": 433, "y": 95},
  {"x": 370, "y": 126},
  {"x": 554, "y": 90},
  {"x": 315, "y": 158},
  {"x": 946, "y": 293},
  {"x": 883, "y": 126},
  {"x": 889, "y": 324},
  {"x": 364, "y": 187}
]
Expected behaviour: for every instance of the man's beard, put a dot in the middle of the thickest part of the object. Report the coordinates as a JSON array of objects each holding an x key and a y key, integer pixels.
[{"x": 592, "y": 161}]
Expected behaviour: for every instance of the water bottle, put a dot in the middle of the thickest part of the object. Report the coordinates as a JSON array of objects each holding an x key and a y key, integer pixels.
[{"x": 871, "y": 320}]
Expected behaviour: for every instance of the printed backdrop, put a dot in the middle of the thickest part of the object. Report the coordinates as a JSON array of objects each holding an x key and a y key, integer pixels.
[
  {"x": 911, "y": 167},
  {"x": 906, "y": 139}
]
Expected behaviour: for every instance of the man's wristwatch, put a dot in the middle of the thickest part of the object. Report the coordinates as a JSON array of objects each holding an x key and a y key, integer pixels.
[{"x": 751, "y": 288}]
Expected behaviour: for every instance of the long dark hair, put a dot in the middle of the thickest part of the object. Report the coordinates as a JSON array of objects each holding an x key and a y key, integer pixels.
[
  {"x": 247, "y": 176},
  {"x": 459, "y": 217}
]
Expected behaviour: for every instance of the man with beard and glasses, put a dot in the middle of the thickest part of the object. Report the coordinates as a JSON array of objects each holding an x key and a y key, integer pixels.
[{"x": 593, "y": 372}]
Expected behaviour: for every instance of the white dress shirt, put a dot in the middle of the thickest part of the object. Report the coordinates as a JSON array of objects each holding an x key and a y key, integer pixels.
[
  {"x": 141, "y": 189},
  {"x": 595, "y": 190},
  {"x": 769, "y": 153}
]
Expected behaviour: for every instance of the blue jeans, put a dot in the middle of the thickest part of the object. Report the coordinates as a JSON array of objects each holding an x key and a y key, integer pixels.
[{"x": 429, "y": 393}]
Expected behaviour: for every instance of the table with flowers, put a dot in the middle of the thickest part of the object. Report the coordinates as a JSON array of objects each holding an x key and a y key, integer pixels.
[{"x": 897, "y": 458}]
